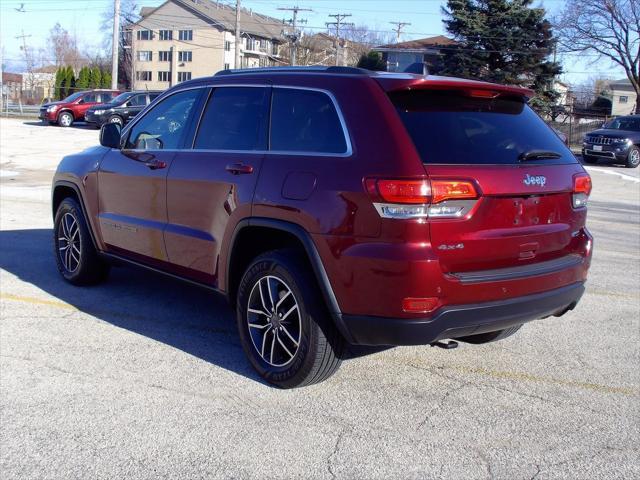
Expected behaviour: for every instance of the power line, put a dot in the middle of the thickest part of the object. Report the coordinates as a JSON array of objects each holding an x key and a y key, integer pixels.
[
  {"x": 293, "y": 36},
  {"x": 398, "y": 29},
  {"x": 339, "y": 23}
]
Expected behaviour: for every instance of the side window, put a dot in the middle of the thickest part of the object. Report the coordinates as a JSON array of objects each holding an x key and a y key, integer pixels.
[
  {"x": 235, "y": 119},
  {"x": 305, "y": 121},
  {"x": 153, "y": 96},
  {"x": 89, "y": 98},
  {"x": 162, "y": 127},
  {"x": 138, "y": 101},
  {"x": 106, "y": 97}
]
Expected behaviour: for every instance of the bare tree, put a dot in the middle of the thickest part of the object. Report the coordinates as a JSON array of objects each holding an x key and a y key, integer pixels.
[
  {"x": 609, "y": 28},
  {"x": 64, "y": 48}
]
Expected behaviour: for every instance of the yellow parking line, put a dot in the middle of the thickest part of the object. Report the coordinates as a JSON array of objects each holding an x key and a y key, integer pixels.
[{"x": 37, "y": 301}]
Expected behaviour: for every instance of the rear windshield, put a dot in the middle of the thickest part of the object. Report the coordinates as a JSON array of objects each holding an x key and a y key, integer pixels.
[{"x": 449, "y": 128}]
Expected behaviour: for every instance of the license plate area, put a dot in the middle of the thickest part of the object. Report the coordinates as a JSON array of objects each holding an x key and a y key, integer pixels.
[{"x": 597, "y": 148}]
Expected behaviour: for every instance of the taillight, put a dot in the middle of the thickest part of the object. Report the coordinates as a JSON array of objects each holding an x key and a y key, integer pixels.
[
  {"x": 420, "y": 198},
  {"x": 581, "y": 189}
]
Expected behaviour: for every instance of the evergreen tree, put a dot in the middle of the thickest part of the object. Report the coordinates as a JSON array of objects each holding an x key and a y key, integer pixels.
[
  {"x": 106, "y": 80},
  {"x": 67, "y": 82},
  {"x": 60, "y": 73},
  {"x": 95, "y": 78},
  {"x": 502, "y": 41},
  {"x": 372, "y": 61},
  {"x": 84, "y": 78}
]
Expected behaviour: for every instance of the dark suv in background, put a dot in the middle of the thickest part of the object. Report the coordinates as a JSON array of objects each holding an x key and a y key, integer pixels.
[
  {"x": 73, "y": 108},
  {"x": 121, "y": 109},
  {"x": 618, "y": 141},
  {"x": 336, "y": 205}
]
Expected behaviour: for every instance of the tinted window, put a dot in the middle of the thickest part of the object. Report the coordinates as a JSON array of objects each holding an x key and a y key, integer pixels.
[
  {"x": 305, "y": 121},
  {"x": 235, "y": 119},
  {"x": 89, "y": 98},
  {"x": 153, "y": 96},
  {"x": 625, "y": 123},
  {"x": 121, "y": 98},
  {"x": 164, "y": 125},
  {"x": 447, "y": 127},
  {"x": 106, "y": 97},
  {"x": 138, "y": 101}
]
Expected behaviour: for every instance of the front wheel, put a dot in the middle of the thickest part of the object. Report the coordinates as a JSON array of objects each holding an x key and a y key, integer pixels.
[
  {"x": 633, "y": 158},
  {"x": 284, "y": 329},
  {"x": 65, "y": 119},
  {"x": 76, "y": 257},
  {"x": 117, "y": 119}
]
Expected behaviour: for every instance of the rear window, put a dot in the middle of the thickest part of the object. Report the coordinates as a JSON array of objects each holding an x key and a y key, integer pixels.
[{"x": 449, "y": 128}]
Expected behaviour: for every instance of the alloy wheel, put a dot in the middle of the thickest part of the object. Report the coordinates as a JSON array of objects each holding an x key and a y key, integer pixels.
[
  {"x": 65, "y": 120},
  {"x": 634, "y": 157},
  {"x": 69, "y": 242},
  {"x": 117, "y": 120},
  {"x": 273, "y": 320}
]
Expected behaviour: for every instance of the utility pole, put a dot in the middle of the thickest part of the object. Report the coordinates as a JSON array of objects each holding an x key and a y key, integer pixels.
[
  {"x": 238, "y": 36},
  {"x": 293, "y": 36},
  {"x": 28, "y": 60},
  {"x": 398, "y": 29},
  {"x": 115, "y": 44},
  {"x": 339, "y": 23}
]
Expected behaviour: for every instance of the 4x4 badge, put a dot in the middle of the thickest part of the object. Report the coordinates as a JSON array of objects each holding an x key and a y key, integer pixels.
[{"x": 530, "y": 180}]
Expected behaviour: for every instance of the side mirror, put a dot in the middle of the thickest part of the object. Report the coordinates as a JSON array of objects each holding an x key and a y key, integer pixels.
[{"x": 110, "y": 135}]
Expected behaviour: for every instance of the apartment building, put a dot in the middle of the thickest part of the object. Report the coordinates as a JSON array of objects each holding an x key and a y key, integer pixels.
[{"x": 184, "y": 39}]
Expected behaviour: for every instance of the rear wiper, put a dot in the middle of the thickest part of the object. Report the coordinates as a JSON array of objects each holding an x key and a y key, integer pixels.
[{"x": 538, "y": 155}]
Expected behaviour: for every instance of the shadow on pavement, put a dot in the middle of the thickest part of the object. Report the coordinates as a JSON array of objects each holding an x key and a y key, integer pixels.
[{"x": 194, "y": 320}]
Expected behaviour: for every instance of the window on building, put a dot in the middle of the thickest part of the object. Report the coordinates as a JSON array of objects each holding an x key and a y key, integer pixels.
[
  {"x": 144, "y": 34},
  {"x": 144, "y": 76},
  {"x": 263, "y": 44},
  {"x": 164, "y": 56},
  {"x": 184, "y": 76},
  {"x": 623, "y": 99},
  {"x": 145, "y": 56},
  {"x": 235, "y": 119},
  {"x": 185, "y": 35},
  {"x": 164, "y": 76},
  {"x": 305, "y": 121},
  {"x": 227, "y": 66},
  {"x": 164, "y": 126},
  {"x": 185, "y": 56},
  {"x": 165, "y": 34},
  {"x": 274, "y": 49},
  {"x": 227, "y": 46},
  {"x": 251, "y": 44}
]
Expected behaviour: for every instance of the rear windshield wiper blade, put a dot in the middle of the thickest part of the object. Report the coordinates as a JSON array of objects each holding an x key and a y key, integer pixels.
[{"x": 537, "y": 155}]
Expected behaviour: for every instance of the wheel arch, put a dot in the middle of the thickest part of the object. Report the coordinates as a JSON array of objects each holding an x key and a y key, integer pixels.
[
  {"x": 275, "y": 234},
  {"x": 65, "y": 110},
  {"x": 62, "y": 190}
]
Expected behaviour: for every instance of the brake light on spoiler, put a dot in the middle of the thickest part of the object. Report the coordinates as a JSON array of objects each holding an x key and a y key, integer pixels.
[{"x": 422, "y": 198}]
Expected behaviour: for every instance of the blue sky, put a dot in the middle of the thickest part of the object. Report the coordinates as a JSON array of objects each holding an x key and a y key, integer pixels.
[{"x": 83, "y": 17}]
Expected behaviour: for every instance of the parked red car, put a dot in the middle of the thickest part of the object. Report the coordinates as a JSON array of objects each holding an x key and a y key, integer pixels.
[
  {"x": 73, "y": 108},
  {"x": 337, "y": 205}
]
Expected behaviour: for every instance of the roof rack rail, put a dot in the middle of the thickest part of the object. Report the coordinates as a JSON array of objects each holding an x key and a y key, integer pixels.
[{"x": 314, "y": 69}]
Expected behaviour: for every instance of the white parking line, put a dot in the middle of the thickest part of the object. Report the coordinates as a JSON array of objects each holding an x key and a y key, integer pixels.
[{"x": 613, "y": 172}]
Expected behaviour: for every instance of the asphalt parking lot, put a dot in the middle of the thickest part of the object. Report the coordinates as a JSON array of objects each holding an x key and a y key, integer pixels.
[{"x": 144, "y": 376}]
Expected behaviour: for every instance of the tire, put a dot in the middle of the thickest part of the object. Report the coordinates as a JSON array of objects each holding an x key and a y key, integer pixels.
[
  {"x": 588, "y": 159},
  {"x": 116, "y": 119},
  {"x": 490, "y": 336},
  {"x": 633, "y": 157},
  {"x": 76, "y": 258},
  {"x": 65, "y": 119},
  {"x": 298, "y": 345}
]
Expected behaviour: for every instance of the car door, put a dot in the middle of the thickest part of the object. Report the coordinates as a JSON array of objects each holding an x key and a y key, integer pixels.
[
  {"x": 132, "y": 180},
  {"x": 88, "y": 100},
  {"x": 133, "y": 106},
  {"x": 211, "y": 186}
]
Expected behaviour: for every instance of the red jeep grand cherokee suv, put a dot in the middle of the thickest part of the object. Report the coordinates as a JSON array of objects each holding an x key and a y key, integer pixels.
[
  {"x": 73, "y": 108},
  {"x": 337, "y": 205}
]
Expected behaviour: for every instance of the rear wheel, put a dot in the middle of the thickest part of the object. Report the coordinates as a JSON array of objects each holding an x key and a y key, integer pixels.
[
  {"x": 76, "y": 257},
  {"x": 284, "y": 330},
  {"x": 490, "y": 336},
  {"x": 65, "y": 119},
  {"x": 633, "y": 157}
]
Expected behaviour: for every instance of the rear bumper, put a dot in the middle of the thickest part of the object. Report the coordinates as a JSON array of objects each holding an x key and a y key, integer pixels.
[{"x": 462, "y": 320}]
